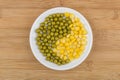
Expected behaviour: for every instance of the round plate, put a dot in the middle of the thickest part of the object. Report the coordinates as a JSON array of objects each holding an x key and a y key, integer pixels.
[{"x": 41, "y": 58}]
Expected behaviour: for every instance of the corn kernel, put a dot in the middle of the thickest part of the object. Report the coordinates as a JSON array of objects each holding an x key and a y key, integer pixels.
[{"x": 67, "y": 14}]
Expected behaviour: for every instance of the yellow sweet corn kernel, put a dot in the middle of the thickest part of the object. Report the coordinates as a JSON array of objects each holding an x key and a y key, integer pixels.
[
  {"x": 77, "y": 19},
  {"x": 67, "y": 14},
  {"x": 61, "y": 56},
  {"x": 80, "y": 32},
  {"x": 77, "y": 50},
  {"x": 72, "y": 37},
  {"x": 61, "y": 44},
  {"x": 66, "y": 45},
  {"x": 63, "y": 40},
  {"x": 83, "y": 36},
  {"x": 68, "y": 36},
  {"x": 72, "y": 16},
  {"x": 84, "y": 32},
  {"x": 82, "y": 47},
  {"x": 77, "y": 56},
  {"x": 70, "y": 51},
  {"x": 84, "y": 42},
  {"x": 55, "y": 50},
  {"x": 62, "y": 51},
  {"x": 65, "y": 57},
  {"x": 57, "y": 42},
  {"x": 77, "y": 28},
  {"x": 71, "y": 25},
  {"x": 76, "y": 33}
]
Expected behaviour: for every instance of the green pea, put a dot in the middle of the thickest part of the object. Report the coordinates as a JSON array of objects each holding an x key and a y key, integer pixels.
[
  {"x": 55, "y": 61},
  {"x": 57, "y": 30},
  {"x": 53, "y": 42},
  {"x": 63, "y": 62},
  {"x": 53, "y": 45},
  {"x": 58, "y": 15},
  {"x": 45, "y": 22},
  {"x": 51, "y": 34},
  {"x": 65, "y": 34},
  {"x": 42, "y": 38},
  {"x": 51, "y": 19},
  {"x": 53, "y": 23},
  {"x": 60, "y": 60},
  {"x": 64, "y": 21},
  {"x": 55, "y": 19},
  {"x": 50, "y": 16},
  {"x": 67, "y": 19},
  {"x": 49, "y": 24},
  {"x": 37, "y": 30},
  {"x": 68, "y": 28},
  {"x": 52, "y": 38},
  {"x": 48, "y": 31},
  {"x": 58, "y": 23},
  {"x": 60, "y": 28},
  {"x": 67, "y": 61},
  {"x": 64, "y": 30},
  {"x": 48, "y": 37},
  {"x": 48, "y": 55},
  {"x": 38, "y": 43},
  {"x": 44, "y": 47},
  {"x": 53, "y": 30},
  {"x": 49, "y": 47},
  {"x": 49, "y": 41},
  {"x": 46, "y": 50},
  {"x": 41, "y": 28},
  {"x": 43, "y": 44},
  {"x": 42, "y": 51},
  {"x": 44, "y": 31},
  {"x": 61, "y": 32},
  {"x": 39, "y": 34},
  {"x": 48, "y": 58},
  {"x": 57, "y": 57},
  {"x": 40, "y": 47},
  {"x": 60, "y": 36},
  {"x": 56, "y": 34},
  {"x": 60, "y": 19},
  {"x": 70, "y": 22},
  {"x": 49, "y": 27},
  {"x": 44, "y": 54},
  {"x": 47, "y": 18},
  {"x": 37, "y": 38},
  {"x": 44, "y": 35},
  {"x": 61, "y": 24},
  {"x": 51, "y": 60},
  {"x": 69, "y": 31},
  {"x": 46, "y": 44},
  {"x": 64, "y": 27},
  {"x": 56, "y": 38},
  {"x": 45, "y": 40},
  {"x": 45, "y": 27},
  {"x": 66, "y": 24},
  {"x": 53, "y": 54},
  {"x": 54, "y": 15},
  {"x": 56, "y": 26},
  {"x": 59, "y": 63},
  {"x": 62, "y": 15},
  {"x": 42, "y": 24}
]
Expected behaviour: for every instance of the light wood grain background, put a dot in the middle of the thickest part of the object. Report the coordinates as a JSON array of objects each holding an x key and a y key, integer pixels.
[{"x": 17, "y": 61}]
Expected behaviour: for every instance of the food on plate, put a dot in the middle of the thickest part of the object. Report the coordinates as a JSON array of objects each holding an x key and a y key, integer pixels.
[{"x": 61, "y": 38}]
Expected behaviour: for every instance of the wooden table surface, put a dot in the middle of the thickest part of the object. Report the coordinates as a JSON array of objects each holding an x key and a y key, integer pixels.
[{"x": 17, "y": 61}]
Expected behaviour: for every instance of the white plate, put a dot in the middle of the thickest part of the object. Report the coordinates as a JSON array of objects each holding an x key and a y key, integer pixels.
[{"x": 41, "y": 58}]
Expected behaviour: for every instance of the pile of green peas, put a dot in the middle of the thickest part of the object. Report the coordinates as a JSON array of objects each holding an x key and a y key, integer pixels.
[{"x": 54, "y": 27}]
